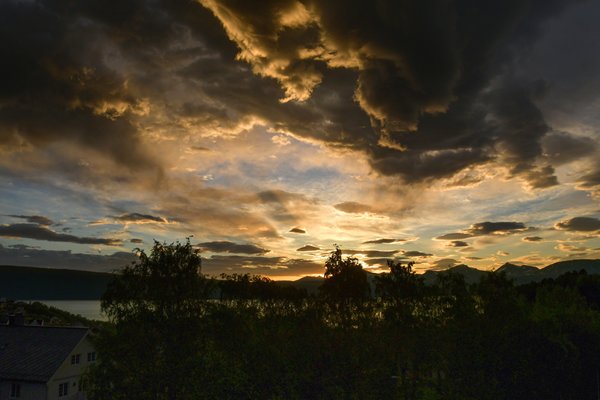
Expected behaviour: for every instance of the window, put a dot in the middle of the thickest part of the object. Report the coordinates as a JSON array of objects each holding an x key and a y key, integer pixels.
[
  {"x": 63, "y": 389},
  {"x": 15, "y": 390},
  {"x": 75, "y": 358},
  {"x": 92, "y": 356}
]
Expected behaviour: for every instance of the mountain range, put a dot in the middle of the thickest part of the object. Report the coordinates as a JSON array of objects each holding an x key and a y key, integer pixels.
[
  {"x": 521, "y": 274},
  {"x": 29, "y": 283}
]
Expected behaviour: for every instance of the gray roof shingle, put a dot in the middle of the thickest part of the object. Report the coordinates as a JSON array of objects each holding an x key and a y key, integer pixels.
[{"x": 34, "y": 353}]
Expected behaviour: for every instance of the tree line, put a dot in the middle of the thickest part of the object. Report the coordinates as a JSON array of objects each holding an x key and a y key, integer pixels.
[{"x": 402, "y": 340}]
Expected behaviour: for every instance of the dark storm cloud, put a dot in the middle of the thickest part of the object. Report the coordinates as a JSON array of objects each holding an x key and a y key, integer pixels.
[
  {"x": 424, "y": 89},
  {"x": 37, "y": 232},
  {"x": 136, "y": 241},
  {"x": 444, "y": 263},
  {"x": 384, "y": 241},
  {"x": 282, "y": 197},
  {"x": 216, "y": 211},
  {"x": 414, "y": 253},
  {"x": 35, "y": 219},
  {"x": 200, "y": 148},
  {"x": 308, "y": 247},
  {"x": 436, "y": 78},
  {"x": 492, "y": 228},
  {"x": 533, "y": 239},
  {"x": 562, "y": 57},
  {"x": 383, "y": 261},
  {"x": 353, "y": 207},
  {"x": 22, "y": 247},
  {"x": 61, "y": 86},
  {"x": 500, "y": 124},
  {"x": 29, "y": 257},
  {"x": 297, "y": 230},
  {"x": 140, "y": 218},
  {"x": 230, "y": 247},
  {"x": 562, "y": 148},
  {"x": 581, "y": 224},
  {"x": 424, "y": 82},
  {"x": 458, "y": 243},
  {"x": 591, "y": 180},
  {"x": 484, "y": 229},
  {"x": 372, "y": 253},
  {"x": 454, "y": 236},
  {"x": 566, "y": 247},
  {"x": 518, "y": 123},
  {"x": 87, "y": 72},
  {"x": 425, "y": 165},
  {"x": 330, "y": 116},
  {"x": 284, "y": 206}
]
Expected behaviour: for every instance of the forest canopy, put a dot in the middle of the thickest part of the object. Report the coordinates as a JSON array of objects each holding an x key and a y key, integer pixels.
[{"x": 400, "y": 339}]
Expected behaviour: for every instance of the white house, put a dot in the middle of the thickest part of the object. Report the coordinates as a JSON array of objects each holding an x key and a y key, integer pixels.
[{"x": 43, "y": 363}]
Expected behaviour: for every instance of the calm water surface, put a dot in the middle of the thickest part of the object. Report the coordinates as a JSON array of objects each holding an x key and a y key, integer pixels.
[{"x": 89, "y": 309}]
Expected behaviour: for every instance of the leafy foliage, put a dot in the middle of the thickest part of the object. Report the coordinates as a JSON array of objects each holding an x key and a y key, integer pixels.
[
  {"x": 154, "y": 305},
  {"x": 345, "y": 278},
  {"x": 246, "y": 286},
  {"x": 452, "y": 340}
]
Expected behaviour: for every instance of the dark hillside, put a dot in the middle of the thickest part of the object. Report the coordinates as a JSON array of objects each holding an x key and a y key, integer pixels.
[
  {"x": 561, "y": 267},
  {"x": 28, "y": 283}
]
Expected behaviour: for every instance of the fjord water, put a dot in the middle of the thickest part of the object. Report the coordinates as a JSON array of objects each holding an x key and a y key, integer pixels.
[{"x": 89, "y": 309}]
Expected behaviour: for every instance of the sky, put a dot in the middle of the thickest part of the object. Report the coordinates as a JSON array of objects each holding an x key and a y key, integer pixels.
[{"x": 442, "y": 132}]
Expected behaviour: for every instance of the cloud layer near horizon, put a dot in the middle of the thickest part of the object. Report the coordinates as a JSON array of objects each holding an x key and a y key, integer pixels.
[{"x": 37, "y": 232}]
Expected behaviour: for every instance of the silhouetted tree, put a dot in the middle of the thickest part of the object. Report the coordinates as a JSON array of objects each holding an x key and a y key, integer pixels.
[
  {"x": 155, "y": 306},
  {"x": 247, "y": 286},
  {"x": 400, "y": 283},
  {"x": 449, "y": 340},
  {"x": 345, "y": 278}
]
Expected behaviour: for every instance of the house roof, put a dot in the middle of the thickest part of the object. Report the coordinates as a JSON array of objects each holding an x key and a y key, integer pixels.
[{"x": 34, "y": 353}]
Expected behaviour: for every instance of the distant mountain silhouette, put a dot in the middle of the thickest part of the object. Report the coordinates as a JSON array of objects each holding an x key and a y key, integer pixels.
[
  {"x": 29, "y": 283},
  {"x": 561, "y": 267},
  {"x": 310, "y": 283},
  {"x": 521, "y": 274},
  {"x": 471, "y": 275},
  {"x": 509, "y": 268}
]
